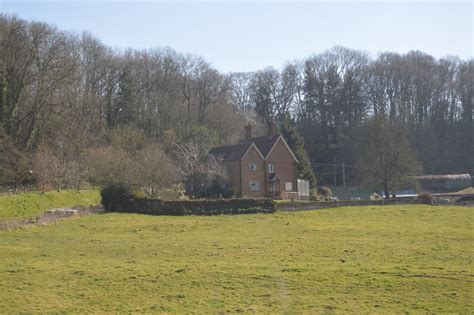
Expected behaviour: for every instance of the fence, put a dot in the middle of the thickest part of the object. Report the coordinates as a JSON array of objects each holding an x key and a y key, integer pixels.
[{"x": 310, "y": 205}]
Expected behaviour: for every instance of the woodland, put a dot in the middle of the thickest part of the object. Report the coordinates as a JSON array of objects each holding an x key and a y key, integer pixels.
[{"x": 75, "y": 111}]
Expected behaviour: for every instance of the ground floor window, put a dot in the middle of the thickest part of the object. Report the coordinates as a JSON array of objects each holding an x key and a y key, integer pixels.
[
  {"x": 254, "y": 185},
  {"x": 289, "y": 186}
]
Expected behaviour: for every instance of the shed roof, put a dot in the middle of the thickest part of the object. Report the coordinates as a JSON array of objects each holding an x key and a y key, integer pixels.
[{"x": 438, "y": 178}]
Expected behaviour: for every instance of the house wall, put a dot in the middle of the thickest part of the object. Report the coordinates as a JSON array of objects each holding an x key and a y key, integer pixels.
[
  {"x": 234, "y": 175},
  {"x": 248, "y": 175},
  {"x": 283, "y": 165}
]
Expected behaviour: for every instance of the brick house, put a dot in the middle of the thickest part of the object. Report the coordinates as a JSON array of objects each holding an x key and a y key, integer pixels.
[{"x": 260, "y": 167}]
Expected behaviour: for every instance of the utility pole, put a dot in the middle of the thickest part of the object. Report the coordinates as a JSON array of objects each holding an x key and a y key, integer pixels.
[
  {"x": 343, "y": 175},
  {"x": 335, "y": 170},
  {"x": 344, "y": 178}
]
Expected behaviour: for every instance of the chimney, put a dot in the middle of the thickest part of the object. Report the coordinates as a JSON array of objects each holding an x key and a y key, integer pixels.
[
  {"x": 271, "y": 128},
  {"x": 248, "y": 132}
]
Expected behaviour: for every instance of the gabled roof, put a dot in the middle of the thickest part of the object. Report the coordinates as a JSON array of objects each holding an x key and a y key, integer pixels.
[
  {"x": 231, "y": 152},
  {"x": 286, "y": 145},
  {"x": 273, "y": 176},
  {"x": 263, "y": 145}
]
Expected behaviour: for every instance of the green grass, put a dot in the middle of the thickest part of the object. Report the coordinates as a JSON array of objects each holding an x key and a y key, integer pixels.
[
  {"x": 30, "y": 204},
  {"x": 388, "y": 259}
]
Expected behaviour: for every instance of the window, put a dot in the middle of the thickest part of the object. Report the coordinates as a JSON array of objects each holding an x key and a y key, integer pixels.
[
  {"x": 270, "y": 168},
  {"x": 253, "y": 167},
  {"x": 289, "y": 186},
  {"x": 254, "y": 185}
]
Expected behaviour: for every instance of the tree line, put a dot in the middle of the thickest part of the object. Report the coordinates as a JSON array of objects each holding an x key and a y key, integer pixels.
[
  {"x": 330, "y": 96},
  {"x": 67, "y": 97}
]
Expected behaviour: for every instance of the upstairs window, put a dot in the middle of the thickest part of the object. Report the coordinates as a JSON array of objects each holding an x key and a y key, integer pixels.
[
  {"x": 270, "y": 168},
  {"x": 253, "y": 167}
]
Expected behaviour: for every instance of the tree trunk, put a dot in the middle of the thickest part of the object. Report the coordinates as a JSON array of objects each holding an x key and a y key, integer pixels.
[{"x": 385, "y": 189}]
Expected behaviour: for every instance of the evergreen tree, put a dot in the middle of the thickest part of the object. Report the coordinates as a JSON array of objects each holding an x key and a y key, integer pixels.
[
  {"x": 296, "y": 143},
  {"x": 127, "y": 105}
]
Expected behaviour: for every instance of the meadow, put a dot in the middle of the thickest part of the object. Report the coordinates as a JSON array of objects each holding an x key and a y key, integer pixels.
[
  {"x": 380, "y": 259},
  {"x": 34, "y": 203}
]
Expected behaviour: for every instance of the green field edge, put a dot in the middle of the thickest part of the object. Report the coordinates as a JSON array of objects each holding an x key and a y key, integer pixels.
[{"x": 28, "y": 205}]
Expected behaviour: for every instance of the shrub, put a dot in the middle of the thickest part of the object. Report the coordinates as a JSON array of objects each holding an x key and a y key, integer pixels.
[
  {"x": 115, "y": 197},
  {"x": 425, "y": 198},
  {"x": 228, "y": 193},
  {"x": 323, "y": 193},
  {"x": 375, "y": 196},
  {"x": 138, "y": 194}
]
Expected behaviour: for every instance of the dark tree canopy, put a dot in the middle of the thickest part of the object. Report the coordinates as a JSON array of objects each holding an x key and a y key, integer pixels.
[
  {"x": 296, "y": 143},
  {"x": 127, "y": 105}
]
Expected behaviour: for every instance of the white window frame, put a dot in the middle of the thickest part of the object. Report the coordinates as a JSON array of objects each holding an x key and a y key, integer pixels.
[
  {"x": 288, "y": 186},
  {"x": 253, "y": 167},
  {"x": 254, "y": 185},
  {"x": 270, "y": 168}
]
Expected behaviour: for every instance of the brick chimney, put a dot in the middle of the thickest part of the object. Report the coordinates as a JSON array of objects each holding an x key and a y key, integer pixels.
[
  {"x": 248, "y": 132},
  {"x": 271, "y": 128}
]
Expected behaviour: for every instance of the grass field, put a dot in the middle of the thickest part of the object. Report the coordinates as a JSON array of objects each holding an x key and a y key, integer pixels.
[
  {"x": 388, "y": 259},
  {"x": 30, "y": 204}
]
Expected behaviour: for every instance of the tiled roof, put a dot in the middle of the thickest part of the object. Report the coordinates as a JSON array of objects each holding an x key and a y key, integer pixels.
[
  {"x": 230, "y": 152},
  {"x": 237, "y": 151},
  {"x": 264, "y": 144}
]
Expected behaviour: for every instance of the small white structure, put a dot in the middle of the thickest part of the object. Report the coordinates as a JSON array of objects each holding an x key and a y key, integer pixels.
[{"x": 303, "y": 189}]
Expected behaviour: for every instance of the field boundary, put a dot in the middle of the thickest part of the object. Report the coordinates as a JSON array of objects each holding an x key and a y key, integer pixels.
[
  {"x": 49, "y": 216},
  {"x": 314, "y": 205}
]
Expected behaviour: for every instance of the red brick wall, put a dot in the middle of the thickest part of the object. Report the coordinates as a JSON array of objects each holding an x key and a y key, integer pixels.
[
  {"x": 234, "y": 175},
  {"x": 248, "y": 175},
  {"x": 283, "y": 165}
]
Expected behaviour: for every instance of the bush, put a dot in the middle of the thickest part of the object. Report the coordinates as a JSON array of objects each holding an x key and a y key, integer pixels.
[
  {"x": 228, "y": 193},
  {"x": 115, "y": 197},
  {"x": 214, "y": 191},
  {"x": 138, "y": 194},
  {"x": 375, "y": 196},
  {"x": 426, "y": 198},
  {"x": 323, "y": 193}
]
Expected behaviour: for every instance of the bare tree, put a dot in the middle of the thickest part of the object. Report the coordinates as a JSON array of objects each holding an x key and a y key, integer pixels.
[
  {"x": 197, "y": 167},
  {"x": 153, "y": 170}
]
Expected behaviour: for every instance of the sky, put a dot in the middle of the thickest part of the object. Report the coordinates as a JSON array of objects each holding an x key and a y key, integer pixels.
[{"x": 252, "y": 35}]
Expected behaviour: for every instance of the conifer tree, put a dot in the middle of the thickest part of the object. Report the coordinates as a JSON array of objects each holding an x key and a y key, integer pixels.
[
  {"x": 127, "y": 105},
  {"x": 296, "y": 143}
]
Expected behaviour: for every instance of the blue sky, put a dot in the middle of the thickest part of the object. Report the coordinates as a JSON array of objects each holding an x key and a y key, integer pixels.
[{"x": 250, "y": 35}]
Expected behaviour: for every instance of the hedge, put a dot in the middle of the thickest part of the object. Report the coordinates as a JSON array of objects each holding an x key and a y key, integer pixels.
[{"x": 121, "y": 200}]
